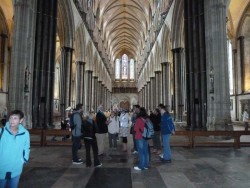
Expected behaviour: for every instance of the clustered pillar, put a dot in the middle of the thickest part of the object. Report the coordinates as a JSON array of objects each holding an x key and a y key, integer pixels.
[{"x": 44, "y": 63}]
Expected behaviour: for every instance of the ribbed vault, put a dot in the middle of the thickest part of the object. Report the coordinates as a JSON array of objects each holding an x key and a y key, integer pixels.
[{"x": 124, "y": 25}]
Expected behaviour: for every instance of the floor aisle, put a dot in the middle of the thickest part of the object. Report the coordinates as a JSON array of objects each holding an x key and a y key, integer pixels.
[{"x": 190, "y": 168}]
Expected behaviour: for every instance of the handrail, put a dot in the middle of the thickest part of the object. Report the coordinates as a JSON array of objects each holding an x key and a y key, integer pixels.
[{"x": 191, "y": 135}]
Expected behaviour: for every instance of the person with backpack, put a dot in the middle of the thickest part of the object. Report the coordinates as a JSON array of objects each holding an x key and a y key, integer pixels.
[
  {"x": 90, "y": 141},
  {"x": 76, "y": 130},
  {"x": 136, "y": 110},
  {"x": 167, "y": 129},
  {"x": 141, "y": 143}
]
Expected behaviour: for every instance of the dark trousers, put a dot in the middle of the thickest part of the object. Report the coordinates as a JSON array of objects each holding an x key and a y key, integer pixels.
[
  {"x": 88, "y": 144},
  {"x": 112, "y": 140},
  {"x": 75, "y": 147},
  {"x": 134, "y": 141}
]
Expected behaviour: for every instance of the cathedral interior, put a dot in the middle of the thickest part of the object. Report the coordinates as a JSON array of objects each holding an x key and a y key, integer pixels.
[{"x": 191, "y": 55}]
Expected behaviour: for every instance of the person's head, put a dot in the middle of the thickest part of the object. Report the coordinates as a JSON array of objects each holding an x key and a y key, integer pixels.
[
  {"x": 79, "y": 107},
  {"x": 157, "y": 111},
  {"x": 87, "y": 115},
  {"x": 16, "y": 117},
  {"x": 162, "y": 108},
  {"x": 100, "y": 108},
  {"x": 143, "y": 113},
  {"x": 112, "y": 113},
  {"x": 136, "y": 108}
]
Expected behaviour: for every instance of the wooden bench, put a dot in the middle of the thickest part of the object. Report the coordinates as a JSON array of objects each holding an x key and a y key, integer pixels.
[
  {"x": 56, "y": 132},
  {"x": 37, "y": 132}
]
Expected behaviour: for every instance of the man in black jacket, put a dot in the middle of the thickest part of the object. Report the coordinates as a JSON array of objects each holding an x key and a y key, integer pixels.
[{"x": 102, "y": 129}]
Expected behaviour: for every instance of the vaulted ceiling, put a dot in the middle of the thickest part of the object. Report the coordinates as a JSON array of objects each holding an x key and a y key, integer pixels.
[{"x": 125, "y": 25}]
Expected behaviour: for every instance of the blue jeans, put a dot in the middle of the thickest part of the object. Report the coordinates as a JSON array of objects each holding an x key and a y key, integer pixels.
[
  {"x": 75, "y": 147},
  {"x": 166, "y": 147},
  {"x": 10, "y": 183},
  {"x": 142, "y": 147}
]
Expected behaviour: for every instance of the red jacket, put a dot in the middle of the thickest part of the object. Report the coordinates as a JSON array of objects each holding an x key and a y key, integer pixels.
[{"x": 139, "y": 127}]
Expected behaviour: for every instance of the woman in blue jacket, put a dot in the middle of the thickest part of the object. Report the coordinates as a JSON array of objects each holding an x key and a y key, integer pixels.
[
  {"x": 14, "y": 150},
  {"x": 167, "y": 128}
]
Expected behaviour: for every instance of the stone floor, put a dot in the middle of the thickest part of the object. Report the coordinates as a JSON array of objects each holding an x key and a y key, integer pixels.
[{"x": 197, "y": 167}]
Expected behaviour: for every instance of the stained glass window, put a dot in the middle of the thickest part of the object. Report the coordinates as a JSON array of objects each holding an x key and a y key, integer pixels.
[
  {"x": 132, "y": 69},
  {"x": 124, "y": 67},
  {"x": 117, "y": 69}
]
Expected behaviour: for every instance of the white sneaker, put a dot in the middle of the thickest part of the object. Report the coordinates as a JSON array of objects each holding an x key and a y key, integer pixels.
[
  {"x": 77, "y": 162},
  {"x": 136, "y": 168},
  {"x": 135, "y": 152},
  {"x": 161, "y": 155},
  {"x": 99, "y": 165}
]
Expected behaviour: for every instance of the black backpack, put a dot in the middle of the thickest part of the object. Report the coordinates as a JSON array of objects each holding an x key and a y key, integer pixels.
[{"x": 88, "y": 129}]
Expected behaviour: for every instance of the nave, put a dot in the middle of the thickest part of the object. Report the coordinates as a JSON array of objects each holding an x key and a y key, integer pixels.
[{"x": 203, "y": 167}]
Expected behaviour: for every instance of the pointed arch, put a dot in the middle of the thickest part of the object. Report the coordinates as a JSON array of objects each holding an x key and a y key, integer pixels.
[
  {"x": 166, "y": 45},
  {"x": 66, "y": 23},
  {"x": 89, "y": 56},
  {"x": 178, "y": 26},
  {"x": 80, "y": 43}
]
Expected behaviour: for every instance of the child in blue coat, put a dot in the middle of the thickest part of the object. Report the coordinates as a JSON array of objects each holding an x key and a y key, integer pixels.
[{"x": 14, "y": 150}]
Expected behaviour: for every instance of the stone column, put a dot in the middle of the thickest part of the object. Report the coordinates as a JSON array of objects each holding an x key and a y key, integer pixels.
[
  {"x": 235, "y": 84},
  {"x": 66, "y": 79},
  {"x": 160, "y": 94},
  {"x": 23, "y": 45},
  {"x": 242, "y": 63},
  {"x": 88, "y": 90},
  {"x": 102, "y": 96},
  {"x": 95, "y": 93},
  {"x": 139, "y": 97},
  {"x": 3, "y": 62},
  {"x": 105, "y": 97},
  {"x": 99, "y": 94},
  {"x": 143, "y": 97},
  {"x": 166, "y": 84},
  {"x": 179, "y": 76},
  {"x": 148, "y": 96},
  {"x": 157, "y": 88},
  {"x": 154, "y": 105},
  {"x": 44, "y": 64},
  {"x": 80, "y": 66},
  {"x": 196, "y": 63},
  {"x": 218, "y": 108}
]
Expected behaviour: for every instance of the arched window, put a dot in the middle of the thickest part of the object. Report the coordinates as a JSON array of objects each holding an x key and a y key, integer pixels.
[
  {"x": 124, "y": 67},
  {"x": 132, "y": 69},
  {"x": 117, "y": 69}
]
